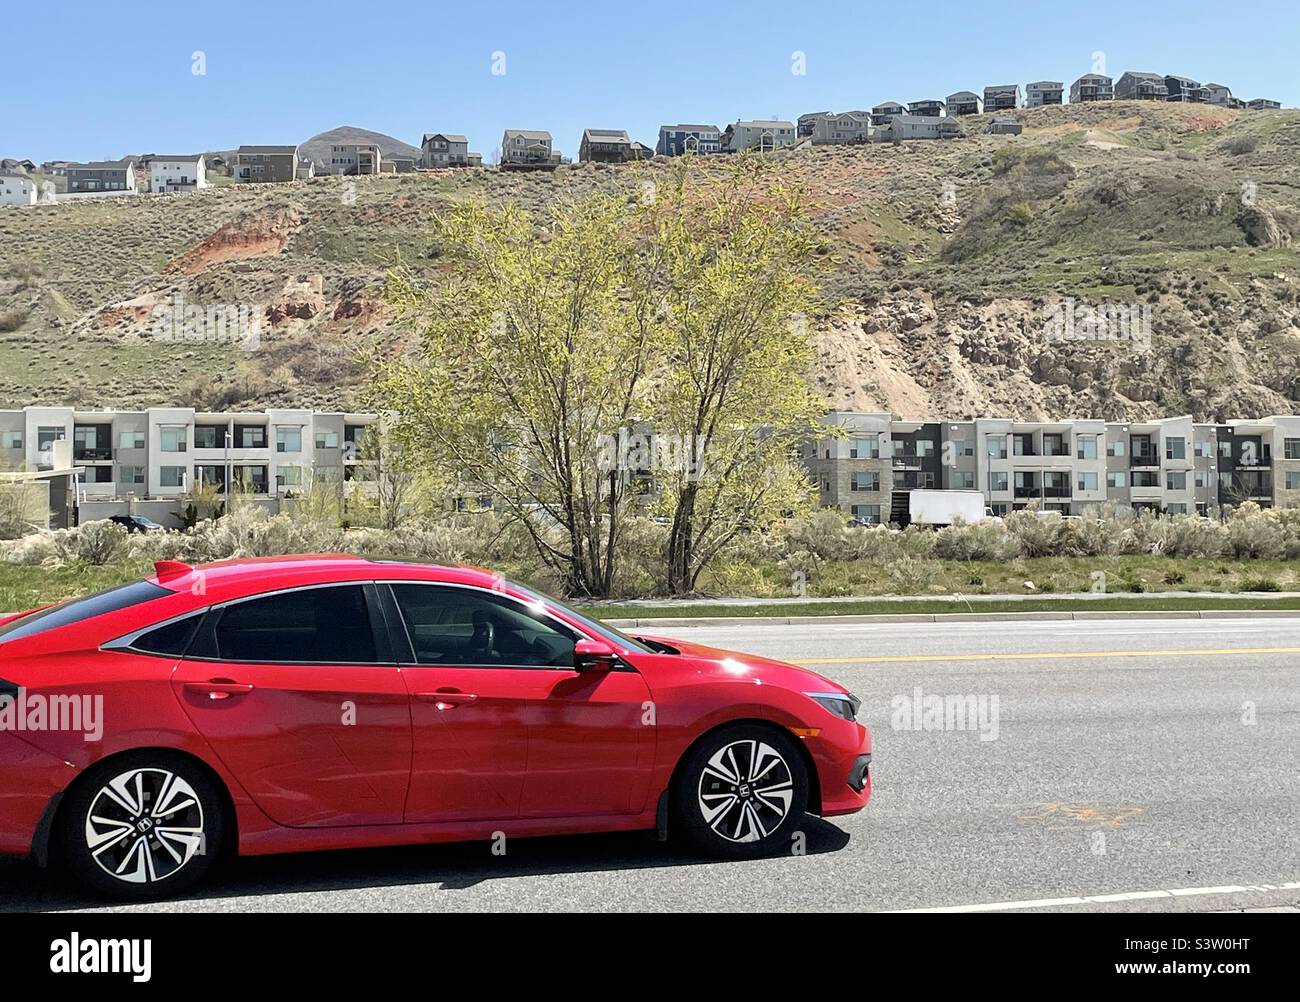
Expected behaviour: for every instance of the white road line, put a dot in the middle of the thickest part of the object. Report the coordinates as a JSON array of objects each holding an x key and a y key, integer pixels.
[{"x": 1094, "y": 899}]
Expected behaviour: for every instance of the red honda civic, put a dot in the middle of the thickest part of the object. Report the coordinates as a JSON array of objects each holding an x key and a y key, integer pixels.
[{"x": 298, "y": 703}]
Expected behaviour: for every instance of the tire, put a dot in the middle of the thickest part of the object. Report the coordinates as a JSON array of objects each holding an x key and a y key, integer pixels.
[
  {"x": 168, "y": 816},
  {"x": 720, "y": 807}
]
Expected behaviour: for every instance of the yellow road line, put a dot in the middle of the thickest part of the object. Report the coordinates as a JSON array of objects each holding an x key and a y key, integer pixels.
[{"x": 1054, "y": 656}]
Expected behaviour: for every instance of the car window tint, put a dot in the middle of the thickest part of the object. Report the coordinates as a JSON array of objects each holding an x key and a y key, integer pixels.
[
  {"x": 113, "y": 600},
  {"x": 171, "y": 639},
  {"x": 310, "y": 626},
  {"x": 459, "y": 626}
]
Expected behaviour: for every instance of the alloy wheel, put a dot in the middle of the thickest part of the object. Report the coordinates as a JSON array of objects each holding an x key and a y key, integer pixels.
[
  {"x": 144, "y": 825},
  {"x": 745, "y": 791}
]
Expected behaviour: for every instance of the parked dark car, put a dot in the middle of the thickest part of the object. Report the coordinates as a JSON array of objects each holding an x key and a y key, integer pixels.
[{"x": 136, "y": 523}]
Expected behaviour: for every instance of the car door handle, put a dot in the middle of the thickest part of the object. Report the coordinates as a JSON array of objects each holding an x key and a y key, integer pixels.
[
  {"x": 447, "y": 700},
  {"x": 219, "y": 688}
]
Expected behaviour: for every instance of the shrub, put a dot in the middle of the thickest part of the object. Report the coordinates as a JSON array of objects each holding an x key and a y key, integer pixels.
[
  {"x": 978, "y": 541},
  {"x": 95, "y": 543},
  {"x": 1255, "y": 534},
  {"x": 912, "y": 575},
  {"x": 1259, "y": 584},
  {"x": 1038, "y": 534}
]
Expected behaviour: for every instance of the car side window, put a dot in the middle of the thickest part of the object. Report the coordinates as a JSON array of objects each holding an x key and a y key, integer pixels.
[
  {"x": 463, "y": 626},
  {"x": 309, "y": 626},
  {"x": 171, "y": 639}
]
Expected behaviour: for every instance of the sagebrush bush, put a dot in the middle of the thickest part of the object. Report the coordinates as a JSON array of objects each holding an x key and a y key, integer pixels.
[
  {"x": 976, "y": 541},
  {"x": 95, "y": 543}
]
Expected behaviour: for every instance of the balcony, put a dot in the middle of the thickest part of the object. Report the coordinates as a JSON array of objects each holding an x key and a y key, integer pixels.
[
  {"x": 92, "y": 455},
  {"x": 1145, "y": 459}
]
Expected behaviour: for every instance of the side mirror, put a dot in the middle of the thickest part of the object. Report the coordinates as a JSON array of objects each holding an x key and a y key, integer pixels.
[{"x": 593, "y": 655}]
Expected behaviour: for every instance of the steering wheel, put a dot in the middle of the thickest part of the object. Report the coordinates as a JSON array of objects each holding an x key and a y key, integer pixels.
[{"x": 483, "y": 640}]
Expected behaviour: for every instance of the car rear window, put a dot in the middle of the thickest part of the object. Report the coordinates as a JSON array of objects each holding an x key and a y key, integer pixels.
[{"x": 80, "y": 609}]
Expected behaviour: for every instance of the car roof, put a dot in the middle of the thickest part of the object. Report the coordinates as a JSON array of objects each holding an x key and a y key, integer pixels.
[{"x": 242, "y": 576}]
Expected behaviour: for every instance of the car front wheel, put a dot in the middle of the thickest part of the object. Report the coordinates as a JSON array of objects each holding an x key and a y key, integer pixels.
[
  {"x": 742, "y": 792},
  {"x": 141, "y": 826}
]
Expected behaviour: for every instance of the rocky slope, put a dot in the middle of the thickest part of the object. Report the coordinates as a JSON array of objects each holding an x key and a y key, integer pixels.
[{"x": 947, "y": 262}]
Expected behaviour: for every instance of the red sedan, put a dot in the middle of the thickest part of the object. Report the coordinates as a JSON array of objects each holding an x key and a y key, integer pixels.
[{"x": 298, "y": 703}]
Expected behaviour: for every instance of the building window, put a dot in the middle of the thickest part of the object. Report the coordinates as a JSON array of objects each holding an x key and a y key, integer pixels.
[
  {"x": 46, "y": 437},
  {"x": 131, "y": 440},
  {"x": 12, "y": 440},
  {"x": 209, "y": 436},
  {"x": 963, "y": 447},
  {"x": 865, "y": 448},
  {"x": 997, "y": 480},
  {"x": 1115, "y": 448},
  {"x": 1086, "y": 447},
  {"x": 131, "y": 475},
  {"x": 866, "y": 481},
  {"x": 1291, "y": 448},
  {"x": 997, "y": 446},
  {"x": 1175, "y": 481},
  {"x": 1293, "y": 480},
  {"x": 289, "y": 476},
  {"x": 1200, "y": 479},
  {"x": 867, "y": 513},
  {"x": 1176, "y": 509},
  {"x": 1086, "y": 481},
  {"x": 1175, "y": 448},
  {"x": 1204, "y": 449},
  {"x": 1225, "y": 448},
  {"x": 171, "y": 476},
  {"x": 1115, "y": 479},
  {"x": 173, "y": 438},
  {"x": 963, "y": 480},
  {"x": 327, "y": 440},
  {"x": 251, "y": 436},
  {"x": 1144, "y": 478},
  {"x": 288, "y": 440}
]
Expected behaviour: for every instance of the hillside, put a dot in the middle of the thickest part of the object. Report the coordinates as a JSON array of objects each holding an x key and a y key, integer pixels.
[{"x": 943, "y": 259}]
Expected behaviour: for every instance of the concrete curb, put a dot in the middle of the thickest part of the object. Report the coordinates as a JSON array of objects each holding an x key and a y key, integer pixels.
[{"x": 951, "y": 617}]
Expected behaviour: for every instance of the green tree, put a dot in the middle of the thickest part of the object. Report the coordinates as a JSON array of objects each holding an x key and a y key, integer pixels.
[
  {"x": 530, "y": 353},
  {"x": 736, "y": 288}
]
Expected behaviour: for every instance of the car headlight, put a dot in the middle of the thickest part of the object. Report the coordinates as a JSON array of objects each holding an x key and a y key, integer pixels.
[{"x": 843, "y": 704}]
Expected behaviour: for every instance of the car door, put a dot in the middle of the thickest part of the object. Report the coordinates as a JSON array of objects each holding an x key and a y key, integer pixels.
[
  {"x": 503, "y": 725},
  {"x": 298, "y": 693}
]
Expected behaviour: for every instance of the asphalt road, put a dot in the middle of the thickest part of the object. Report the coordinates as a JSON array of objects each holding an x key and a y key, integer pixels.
[{"x": 1154, "y": 764}]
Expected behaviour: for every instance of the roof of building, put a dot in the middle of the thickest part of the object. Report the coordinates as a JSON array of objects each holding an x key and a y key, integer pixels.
[
  {"x": 962, "y": 93},
  {"x": 529, "y": 133},
  {"x": 607, "y": 135},
  {"x": 764, "y": 123},
  {"x": 1046, "y": 83},
  {"x": 1001, "y": 87},
  {"x": 102, "y": 165},
  {"x": 451, "y": 137},
  {"x": 187, "y": 157},
  {"x": 6, "y": 172},
  {"x": 1141, "y": 75},
  {"x": 270, "y": 150}
]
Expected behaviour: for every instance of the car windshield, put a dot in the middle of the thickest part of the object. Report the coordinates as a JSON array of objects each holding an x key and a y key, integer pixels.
[
  {"x": 592, "y": 625},
  {"x": 78, "y": 609}
]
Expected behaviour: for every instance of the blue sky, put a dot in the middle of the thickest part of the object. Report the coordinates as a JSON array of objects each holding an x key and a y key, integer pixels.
[{"x": 93, "y": 84}]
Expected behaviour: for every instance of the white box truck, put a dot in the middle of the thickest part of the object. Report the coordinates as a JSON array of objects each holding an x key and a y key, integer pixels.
[{"x": 943, "y": 507}]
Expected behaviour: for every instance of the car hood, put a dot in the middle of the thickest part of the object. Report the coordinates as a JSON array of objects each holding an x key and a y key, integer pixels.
[{"x": 716, "y": 660}]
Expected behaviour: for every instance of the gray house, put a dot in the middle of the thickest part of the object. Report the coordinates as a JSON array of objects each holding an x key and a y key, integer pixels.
[
  {"x": 1004, "y": 125},
  {"x": 1043, "y": 92},
  {"x": 608, "y": 146},
  {"x": 444, "y": 149},
  {"x": 266, "y": 164},
  {"x": 884, "y": 113},
  {"x": 1218, "y": 94},
  {"x": 1002, "y": 97},
  {"x": 1263, "y": 104},
  {"x": 927, "y": 109},
  {"x": 964, "y": 102},
  {"x": 528, "y": 149},
  {"x": 103, "y": 175},
  {"x": 1185, "y": 90},
  {"x": 826, "y": 129},
  {"x": 1141, "y": 87},
  {"x": 1092, "y": 87}
]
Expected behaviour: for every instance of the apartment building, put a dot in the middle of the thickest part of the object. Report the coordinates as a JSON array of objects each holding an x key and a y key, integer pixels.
[
  {"x": 177, "y": 173},
  {"x": 1172, "y": 465},
  {"x": 1092, "y": 87},
  {"x": 675, "y": 140},
  {"x": 1043, "y": 92},
  {"x": 166, "y": 452}
]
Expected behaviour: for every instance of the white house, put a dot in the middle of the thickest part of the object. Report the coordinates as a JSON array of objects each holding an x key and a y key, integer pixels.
[
  {"x": 177, "y": 173},
  {"x": 16, "y": 188}
]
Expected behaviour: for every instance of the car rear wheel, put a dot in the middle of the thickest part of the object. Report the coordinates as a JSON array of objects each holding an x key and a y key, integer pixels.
[
  {"x": 742, "y": 791},
  {"x": 141, "y": 826}
]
